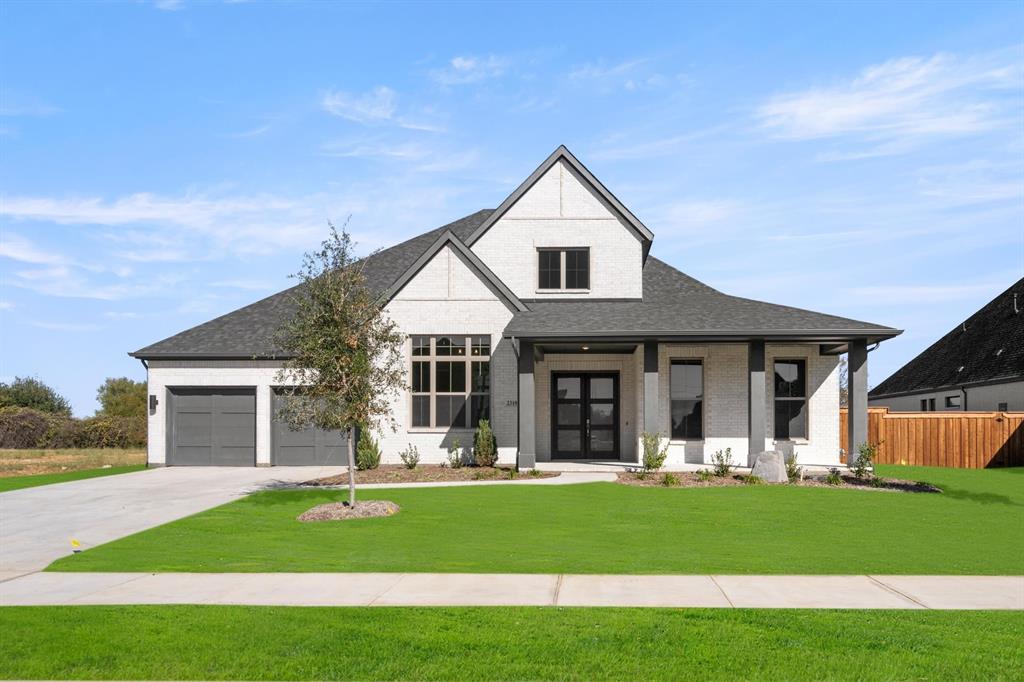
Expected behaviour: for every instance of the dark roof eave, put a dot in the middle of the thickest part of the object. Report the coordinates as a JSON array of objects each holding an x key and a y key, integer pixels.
[
  {"x": 811, "y": 336},
  {"x": 175, "y": 355}
]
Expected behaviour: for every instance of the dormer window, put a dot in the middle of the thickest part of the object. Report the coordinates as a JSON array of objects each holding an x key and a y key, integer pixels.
[{"x": 563, "y": 269}]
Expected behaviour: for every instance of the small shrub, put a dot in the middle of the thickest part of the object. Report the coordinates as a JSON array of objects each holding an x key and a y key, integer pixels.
[
  {"x": 703, "y": 475},
  {"x": 410, "y": 456},
  {"x": 751, "y": 479},
  {"x": 512, "y": 474},
  {"x": 722, "y": 462},
  {"x": 865, "y": 461},
  {"x": 669, "y": 479},
  {"x": 478, "y": 475},
  {"x": 834, "y": 478},
  {"x": 877, "y": 482},
  {"x": 485, "y": 447},
  {"x": 454, "y": 458},
  {"x": 367, "y": 452},
  {"x": 654, "y": 454},
  {"x": 535, "y": 473},
  {"x": 793, "y": 472}
]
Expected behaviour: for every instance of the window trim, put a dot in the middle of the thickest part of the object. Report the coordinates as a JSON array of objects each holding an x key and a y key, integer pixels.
[
  {"x": 689, "y": 360},
  {"x": 432, "y": 358},
  {"x": 799, "y": 440},
  {"x": 948, "y": 402},
  {"x": 562, "y": 288}
]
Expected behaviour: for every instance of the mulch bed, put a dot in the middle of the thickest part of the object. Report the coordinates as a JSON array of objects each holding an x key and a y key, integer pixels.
[
  {"x": 429, "y": 473},
  {"x": 690, "y": 480},
  {"x": 341, "y": 511}
]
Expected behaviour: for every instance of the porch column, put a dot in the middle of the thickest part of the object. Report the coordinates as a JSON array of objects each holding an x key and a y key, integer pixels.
[
  {"x": 651, "y": 422},
  {"x": 527, "y": 414},
  {"x": 857, "y": 399},
  {"x": 757, "y": 423}
]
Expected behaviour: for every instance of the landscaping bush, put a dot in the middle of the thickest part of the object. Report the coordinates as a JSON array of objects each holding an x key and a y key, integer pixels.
[
  {"x": 862, "y": 467},
  {"x": 654, "y": 454},
  {"x": 33, "y": 393},
  {"x": 410, "y": 456},
  {"x": 367, "y": 452},
  {"x": 22, "y": 427},
  {"x": 793, "y": 472},
  {"x": 669, "y": 479},
  {"x": 704, "y": 475},
  {"x": 722, "y": 462},
  {"x": 751, "y": 479},
  {"x": 454, "y": 459},
  {"x": 834, "y": 478},
  {"x": 485, "y": 446}
]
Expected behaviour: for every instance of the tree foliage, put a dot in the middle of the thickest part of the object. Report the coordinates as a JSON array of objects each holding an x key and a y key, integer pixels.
[
  {"x": 33, "y": 393},
  {"x": 122, "y": 397},
  {"x": 343, "y": 354}
]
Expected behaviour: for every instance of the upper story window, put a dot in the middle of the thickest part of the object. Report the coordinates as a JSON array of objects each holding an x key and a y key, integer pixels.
[
  {"x": 563, "y": 269},
  {"x": 790, "y": 399},
  {"x": 451, "y": 381}
]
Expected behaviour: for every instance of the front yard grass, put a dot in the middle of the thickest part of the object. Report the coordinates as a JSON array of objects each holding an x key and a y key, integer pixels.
[
  {"x": 975, "y": 527},
  {"x": 252, "y": 643}
]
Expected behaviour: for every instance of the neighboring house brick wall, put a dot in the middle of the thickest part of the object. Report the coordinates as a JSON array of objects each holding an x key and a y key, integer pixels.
[
  {"x": 560, "y": 210},
  {"x": 446, "y": 297}
]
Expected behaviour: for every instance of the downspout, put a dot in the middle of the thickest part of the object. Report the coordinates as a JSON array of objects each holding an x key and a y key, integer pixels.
[{"x": 963, "y": 402}]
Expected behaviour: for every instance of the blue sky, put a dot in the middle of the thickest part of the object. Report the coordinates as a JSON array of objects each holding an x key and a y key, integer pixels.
[{"x": 163, "y": 163}]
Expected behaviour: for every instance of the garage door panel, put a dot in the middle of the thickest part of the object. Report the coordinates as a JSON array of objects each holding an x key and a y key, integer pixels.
[
  {"x": 213, "y": 426},
  {"x": 305, "y": 447}
]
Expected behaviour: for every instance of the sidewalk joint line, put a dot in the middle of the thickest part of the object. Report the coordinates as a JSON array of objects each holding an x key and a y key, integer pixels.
[
  {"x": 558, "y": 590},
  {"x": 897, "y": 592},
  {"x": 110, "y": 587},
  {"x": 22, "y": 575},
  {"x": 722, "y": 590},
  {"x": 373, "y": 602}
]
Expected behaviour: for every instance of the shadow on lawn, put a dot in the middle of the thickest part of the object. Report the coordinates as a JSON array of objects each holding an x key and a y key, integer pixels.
[{"x": 981, "y": 498}]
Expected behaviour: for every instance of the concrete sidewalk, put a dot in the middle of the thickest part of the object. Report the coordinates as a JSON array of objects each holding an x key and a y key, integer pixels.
[{"x": 452, "y": 589}]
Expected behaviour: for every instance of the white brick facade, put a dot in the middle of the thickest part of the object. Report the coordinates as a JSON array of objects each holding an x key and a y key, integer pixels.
[{"x": 561, "y": 211}]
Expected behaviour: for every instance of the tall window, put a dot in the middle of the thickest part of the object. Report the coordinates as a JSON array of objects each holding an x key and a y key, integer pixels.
[
  {"x": 790, "y": 399},
  {"x": 686, "y": 389},
  {"x": 451, "y": 381},
  {"x": 563, "y": 269}
]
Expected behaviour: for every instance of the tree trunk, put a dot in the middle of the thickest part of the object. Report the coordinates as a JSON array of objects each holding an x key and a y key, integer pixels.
[{"x": 352, "y": 467}]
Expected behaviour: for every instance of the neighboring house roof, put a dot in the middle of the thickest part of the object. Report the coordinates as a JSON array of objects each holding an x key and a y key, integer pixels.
[
  {"x": 986, "y": 347},
  {"x": 564, "y": 155},
  {"x": 674, "y": 304}
]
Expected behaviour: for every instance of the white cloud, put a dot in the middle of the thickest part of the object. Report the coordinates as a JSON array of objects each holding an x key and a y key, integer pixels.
[
  {"x": 245, "y": 284},
  {"x": 65, "y": 326},
  {"x": 913, "y": 295},
  {"x": 169, "y": 5},
  {"x": 19, "y": 104},
  {"x": 901, "y": 98},
  {"x": 253, "y": 132},
  {"x": 377, "y": 105},
  {"x": 375, "y": 149},
  {"x": 466, "y": 69},
  {"x": 122, "y": 315},
  {"x": 6, "y": 305},
  {"x": 20, "y": 249}
]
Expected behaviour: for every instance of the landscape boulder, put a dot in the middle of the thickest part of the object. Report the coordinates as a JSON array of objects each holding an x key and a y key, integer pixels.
[{"x": 770, "y": 467}]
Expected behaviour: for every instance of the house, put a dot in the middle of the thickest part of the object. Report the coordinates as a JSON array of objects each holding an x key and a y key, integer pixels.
[
  {"x": 978, "y": 365},
  {"x": 550, "y": 317}
]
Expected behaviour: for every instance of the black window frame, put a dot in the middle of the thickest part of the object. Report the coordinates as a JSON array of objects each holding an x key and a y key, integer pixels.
[
  {"x": 950, "y": 404},
  {"x": 458, "y": 363},
  {"x": 784, "y": 399},
  {"x": 552, "y": 269},
  {"x": 687, "y": 432}
]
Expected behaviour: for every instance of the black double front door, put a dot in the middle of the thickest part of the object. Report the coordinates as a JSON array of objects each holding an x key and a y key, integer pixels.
[{"x": 584, "y": 415}]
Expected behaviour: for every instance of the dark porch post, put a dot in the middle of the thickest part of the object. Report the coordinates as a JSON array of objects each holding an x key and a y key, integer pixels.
[
  {"x": 857, "y": 399},
  {"x": 756, "y": 409},
  {"x": 651, "y": 422},
  {"x": 527, "y": 430}
]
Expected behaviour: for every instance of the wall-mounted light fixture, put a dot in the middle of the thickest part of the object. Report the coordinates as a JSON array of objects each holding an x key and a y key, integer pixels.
[
  {"x": 152, "y": 404},
  {"x": 585, "y": 347}
]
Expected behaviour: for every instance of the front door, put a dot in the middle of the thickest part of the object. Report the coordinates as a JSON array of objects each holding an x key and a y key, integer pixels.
[{"x": 585, "y": 415}]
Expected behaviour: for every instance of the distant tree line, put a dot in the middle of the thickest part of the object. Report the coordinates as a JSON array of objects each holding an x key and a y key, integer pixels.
[{"x": 35, "y": 415}]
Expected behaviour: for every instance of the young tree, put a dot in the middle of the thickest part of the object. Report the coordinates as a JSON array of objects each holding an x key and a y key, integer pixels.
[
  {"x": 344, "y": 356},
  {"x": 122, "y": 397},
  {"x": 33, "y": 393}
]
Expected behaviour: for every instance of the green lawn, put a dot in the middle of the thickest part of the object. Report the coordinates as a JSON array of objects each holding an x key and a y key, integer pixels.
[
  {"x": 213, "y": 642},
  {"x": 975, "y": 527},
  {"x": 18, "y": 482}
]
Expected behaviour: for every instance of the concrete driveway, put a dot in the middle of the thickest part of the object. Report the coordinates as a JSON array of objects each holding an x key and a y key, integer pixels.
[{"x": 37, "y": 524}]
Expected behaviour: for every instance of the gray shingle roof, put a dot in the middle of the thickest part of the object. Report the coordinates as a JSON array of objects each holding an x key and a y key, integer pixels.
[
  {"x": 987, "y": 346},
  {"x": 674, "y": 304}
]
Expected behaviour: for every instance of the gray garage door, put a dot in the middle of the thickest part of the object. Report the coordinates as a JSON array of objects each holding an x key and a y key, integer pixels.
[
  {"x": 213, "y": 426},
  {"x": 306, "y": 447}
]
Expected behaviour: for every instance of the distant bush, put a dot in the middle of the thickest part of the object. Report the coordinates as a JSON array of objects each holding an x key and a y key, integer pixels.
[
  {"x": 703, "y": 475},
  {"x": 410, "y": 456},
  {"x": 485, "y": 446},
  {"x": 22, "y": 427},
  {"x": 865, "y": 461},
  {"x": 834, "y": 477},
  {"x": 794, "y": 472},
  {"x": 751, "y": 479},
  {"x": 654, "y": 455},
  {"x": 722, "y": 462},
  {"x": 669, "y": 479},
  {"x": 33, "y": 393},
  {"x": 122, "y": 397},
  {"x": 367, "y": 452},
  {"x": 454, "y": 458}
]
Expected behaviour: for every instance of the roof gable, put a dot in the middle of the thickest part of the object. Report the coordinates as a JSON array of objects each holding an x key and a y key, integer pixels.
[{"x": 563, "y": 155}]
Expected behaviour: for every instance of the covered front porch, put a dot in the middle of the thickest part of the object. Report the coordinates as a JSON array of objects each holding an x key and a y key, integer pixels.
[{"x": 586, "y": 402}]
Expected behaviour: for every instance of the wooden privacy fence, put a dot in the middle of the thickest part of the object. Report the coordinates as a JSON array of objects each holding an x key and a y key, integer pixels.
[{"x": 968, "y": 440}]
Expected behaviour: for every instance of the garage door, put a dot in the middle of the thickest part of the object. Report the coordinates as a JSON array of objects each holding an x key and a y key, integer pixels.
[
  {"x": 306, "y": 447},
  {"x": 213, "y": 426}
]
